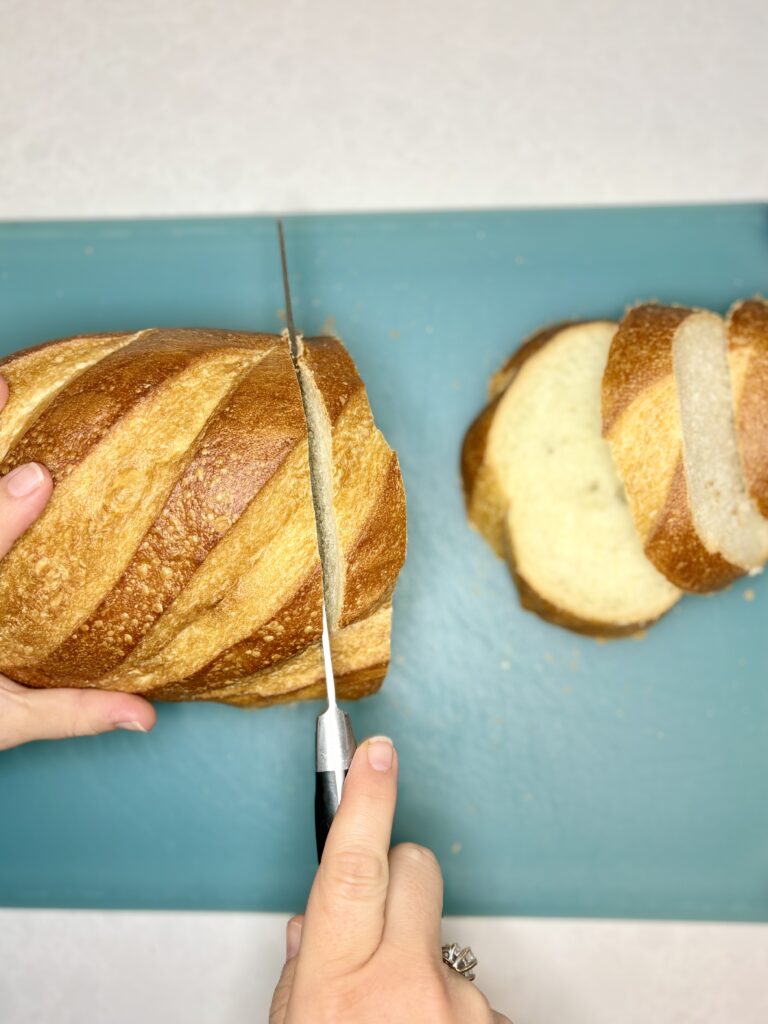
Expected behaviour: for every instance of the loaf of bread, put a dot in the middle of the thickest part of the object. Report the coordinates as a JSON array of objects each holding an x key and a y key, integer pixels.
[
  {"x": 668, "y": 417},
  {"x": 178, "y": 556},
  {"x": 540, "y": 485}
]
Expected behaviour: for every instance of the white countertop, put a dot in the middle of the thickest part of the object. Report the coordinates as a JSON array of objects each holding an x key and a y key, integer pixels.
[
  {"x": 210, "y": 106},
  {"x": 79, "y": 967},
  {"x": 225, "y": 106}
]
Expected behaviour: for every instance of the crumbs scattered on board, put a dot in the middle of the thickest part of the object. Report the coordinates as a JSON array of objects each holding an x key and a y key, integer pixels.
[
  {"x": 329, "y": 327},
  {"x": 280, "y": 314},
  {"x": 505, "y": 665},
  {"x": 456, "y": 847},
  {"x": 641, "y": 634},
  {"x": 394, "y": 334},
  {"x": 749, "y": 594}
]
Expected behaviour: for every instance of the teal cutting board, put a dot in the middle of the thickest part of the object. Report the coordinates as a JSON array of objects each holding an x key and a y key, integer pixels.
[{"x": 552, "y": 775}]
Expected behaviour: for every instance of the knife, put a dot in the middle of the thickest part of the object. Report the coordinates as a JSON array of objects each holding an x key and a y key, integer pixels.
[{"x": 334, "y": 740}]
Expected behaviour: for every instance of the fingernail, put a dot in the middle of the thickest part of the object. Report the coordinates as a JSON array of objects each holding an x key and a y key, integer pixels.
[
  {"x": 292, "y": 939},
  {"x": 24, "y": 480},
  {"x": 380, "y": 753},
  {"x": 130, "y": 726}
]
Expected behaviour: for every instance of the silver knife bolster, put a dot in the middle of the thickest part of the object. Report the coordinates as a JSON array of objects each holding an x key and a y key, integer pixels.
[{"x": 335, "y": 741}]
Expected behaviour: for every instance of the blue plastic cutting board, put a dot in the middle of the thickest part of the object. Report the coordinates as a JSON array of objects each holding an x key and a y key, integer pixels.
[{"x": 551, "y": 774}]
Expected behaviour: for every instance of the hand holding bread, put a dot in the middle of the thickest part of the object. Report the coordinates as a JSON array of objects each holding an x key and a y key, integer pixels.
[{"x": 35, "y": 715}]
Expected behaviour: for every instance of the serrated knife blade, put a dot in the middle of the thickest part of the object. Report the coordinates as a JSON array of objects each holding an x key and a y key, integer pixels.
[{"x": 334, "y": 739}]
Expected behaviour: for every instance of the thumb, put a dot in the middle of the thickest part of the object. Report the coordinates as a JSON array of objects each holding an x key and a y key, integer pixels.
[
  {"x": 27, "y": 714},
  {"x": 279, "y": 1009}
]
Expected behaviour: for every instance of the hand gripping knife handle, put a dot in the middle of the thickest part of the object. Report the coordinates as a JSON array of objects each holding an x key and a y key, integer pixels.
[{"x": 335, "y": 750}]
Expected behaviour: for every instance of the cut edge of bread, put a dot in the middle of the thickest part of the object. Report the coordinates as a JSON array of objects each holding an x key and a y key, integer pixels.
[
  {"x": 725, "y": 517},
  {"x": 492, "y": 506},
  {"x": 483, "y": 494},
  {"x": 319, "y": 433}
]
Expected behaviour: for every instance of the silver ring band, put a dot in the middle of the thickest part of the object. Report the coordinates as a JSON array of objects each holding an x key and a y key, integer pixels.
[{"x": 461, "y": 960}]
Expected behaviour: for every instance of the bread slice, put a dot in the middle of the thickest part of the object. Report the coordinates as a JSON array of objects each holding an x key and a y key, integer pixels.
[
  {"x": 178, "y": 555},
  {"x": 362, "y": 518},
  {"x": 748, "y": 356},
  {"x": 668, "y": 417},
  {"x": 541, "y": 486}
]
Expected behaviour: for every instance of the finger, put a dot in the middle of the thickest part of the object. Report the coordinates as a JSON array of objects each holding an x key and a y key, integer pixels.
[
  {"x": 414, "y": 902},
  {"x": 345, "y": 914},
  {"x": 278, "y": 1009},
  {"x": 3, "y": 392},
  {"x": 27, "y": 715},
  {"x": 467, "y": 1001},
  {"x": 24, "y": 493},
  {"x": 293, "y": 936},
  {"x": 279, "y": 1006}
]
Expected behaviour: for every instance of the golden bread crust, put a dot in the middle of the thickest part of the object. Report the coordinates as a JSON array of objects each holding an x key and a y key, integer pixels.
[
  {"x": 36, "y": 375},
  {"x": 533, "y": 601},
  {"x": 641, "y": 422},
  {"x": 177, "y": 557},
  {"x": 748, "y": 342}
]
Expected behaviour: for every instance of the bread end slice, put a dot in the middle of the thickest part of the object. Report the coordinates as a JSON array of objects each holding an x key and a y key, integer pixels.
[
  {"x": 748, "y": 357},
  {"x": 483, "y": 491},
  {"x": 667, "y": 415}
]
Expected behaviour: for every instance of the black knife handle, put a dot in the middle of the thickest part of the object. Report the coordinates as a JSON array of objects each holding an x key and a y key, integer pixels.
[{"x": 326, "y": 804}]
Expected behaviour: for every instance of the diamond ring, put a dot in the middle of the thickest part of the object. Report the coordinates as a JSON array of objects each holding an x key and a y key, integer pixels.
[{"x": 463, "y": 961}]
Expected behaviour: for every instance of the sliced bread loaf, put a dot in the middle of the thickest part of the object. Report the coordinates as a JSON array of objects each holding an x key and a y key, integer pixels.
[
  {"x": 178, "y": 556},
  {"x": 668, "y": 417},
  {"x": 541, "y": 486}
]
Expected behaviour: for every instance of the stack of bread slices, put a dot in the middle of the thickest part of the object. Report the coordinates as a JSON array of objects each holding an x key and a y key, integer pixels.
[{"x": 618, "y": 466}]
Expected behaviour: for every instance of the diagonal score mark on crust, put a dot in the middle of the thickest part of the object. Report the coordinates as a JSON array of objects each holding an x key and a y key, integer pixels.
[
  {"x": 221, "y": 477},
  {"x": 370, "y": 549},
  {"x": 246, "y": 579},
  {"x": 360, "y": 648},
  {"x": 36, "y": 376},
  {"x": 104, "y": 505},
  {"x": 290, "y": 629}
]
